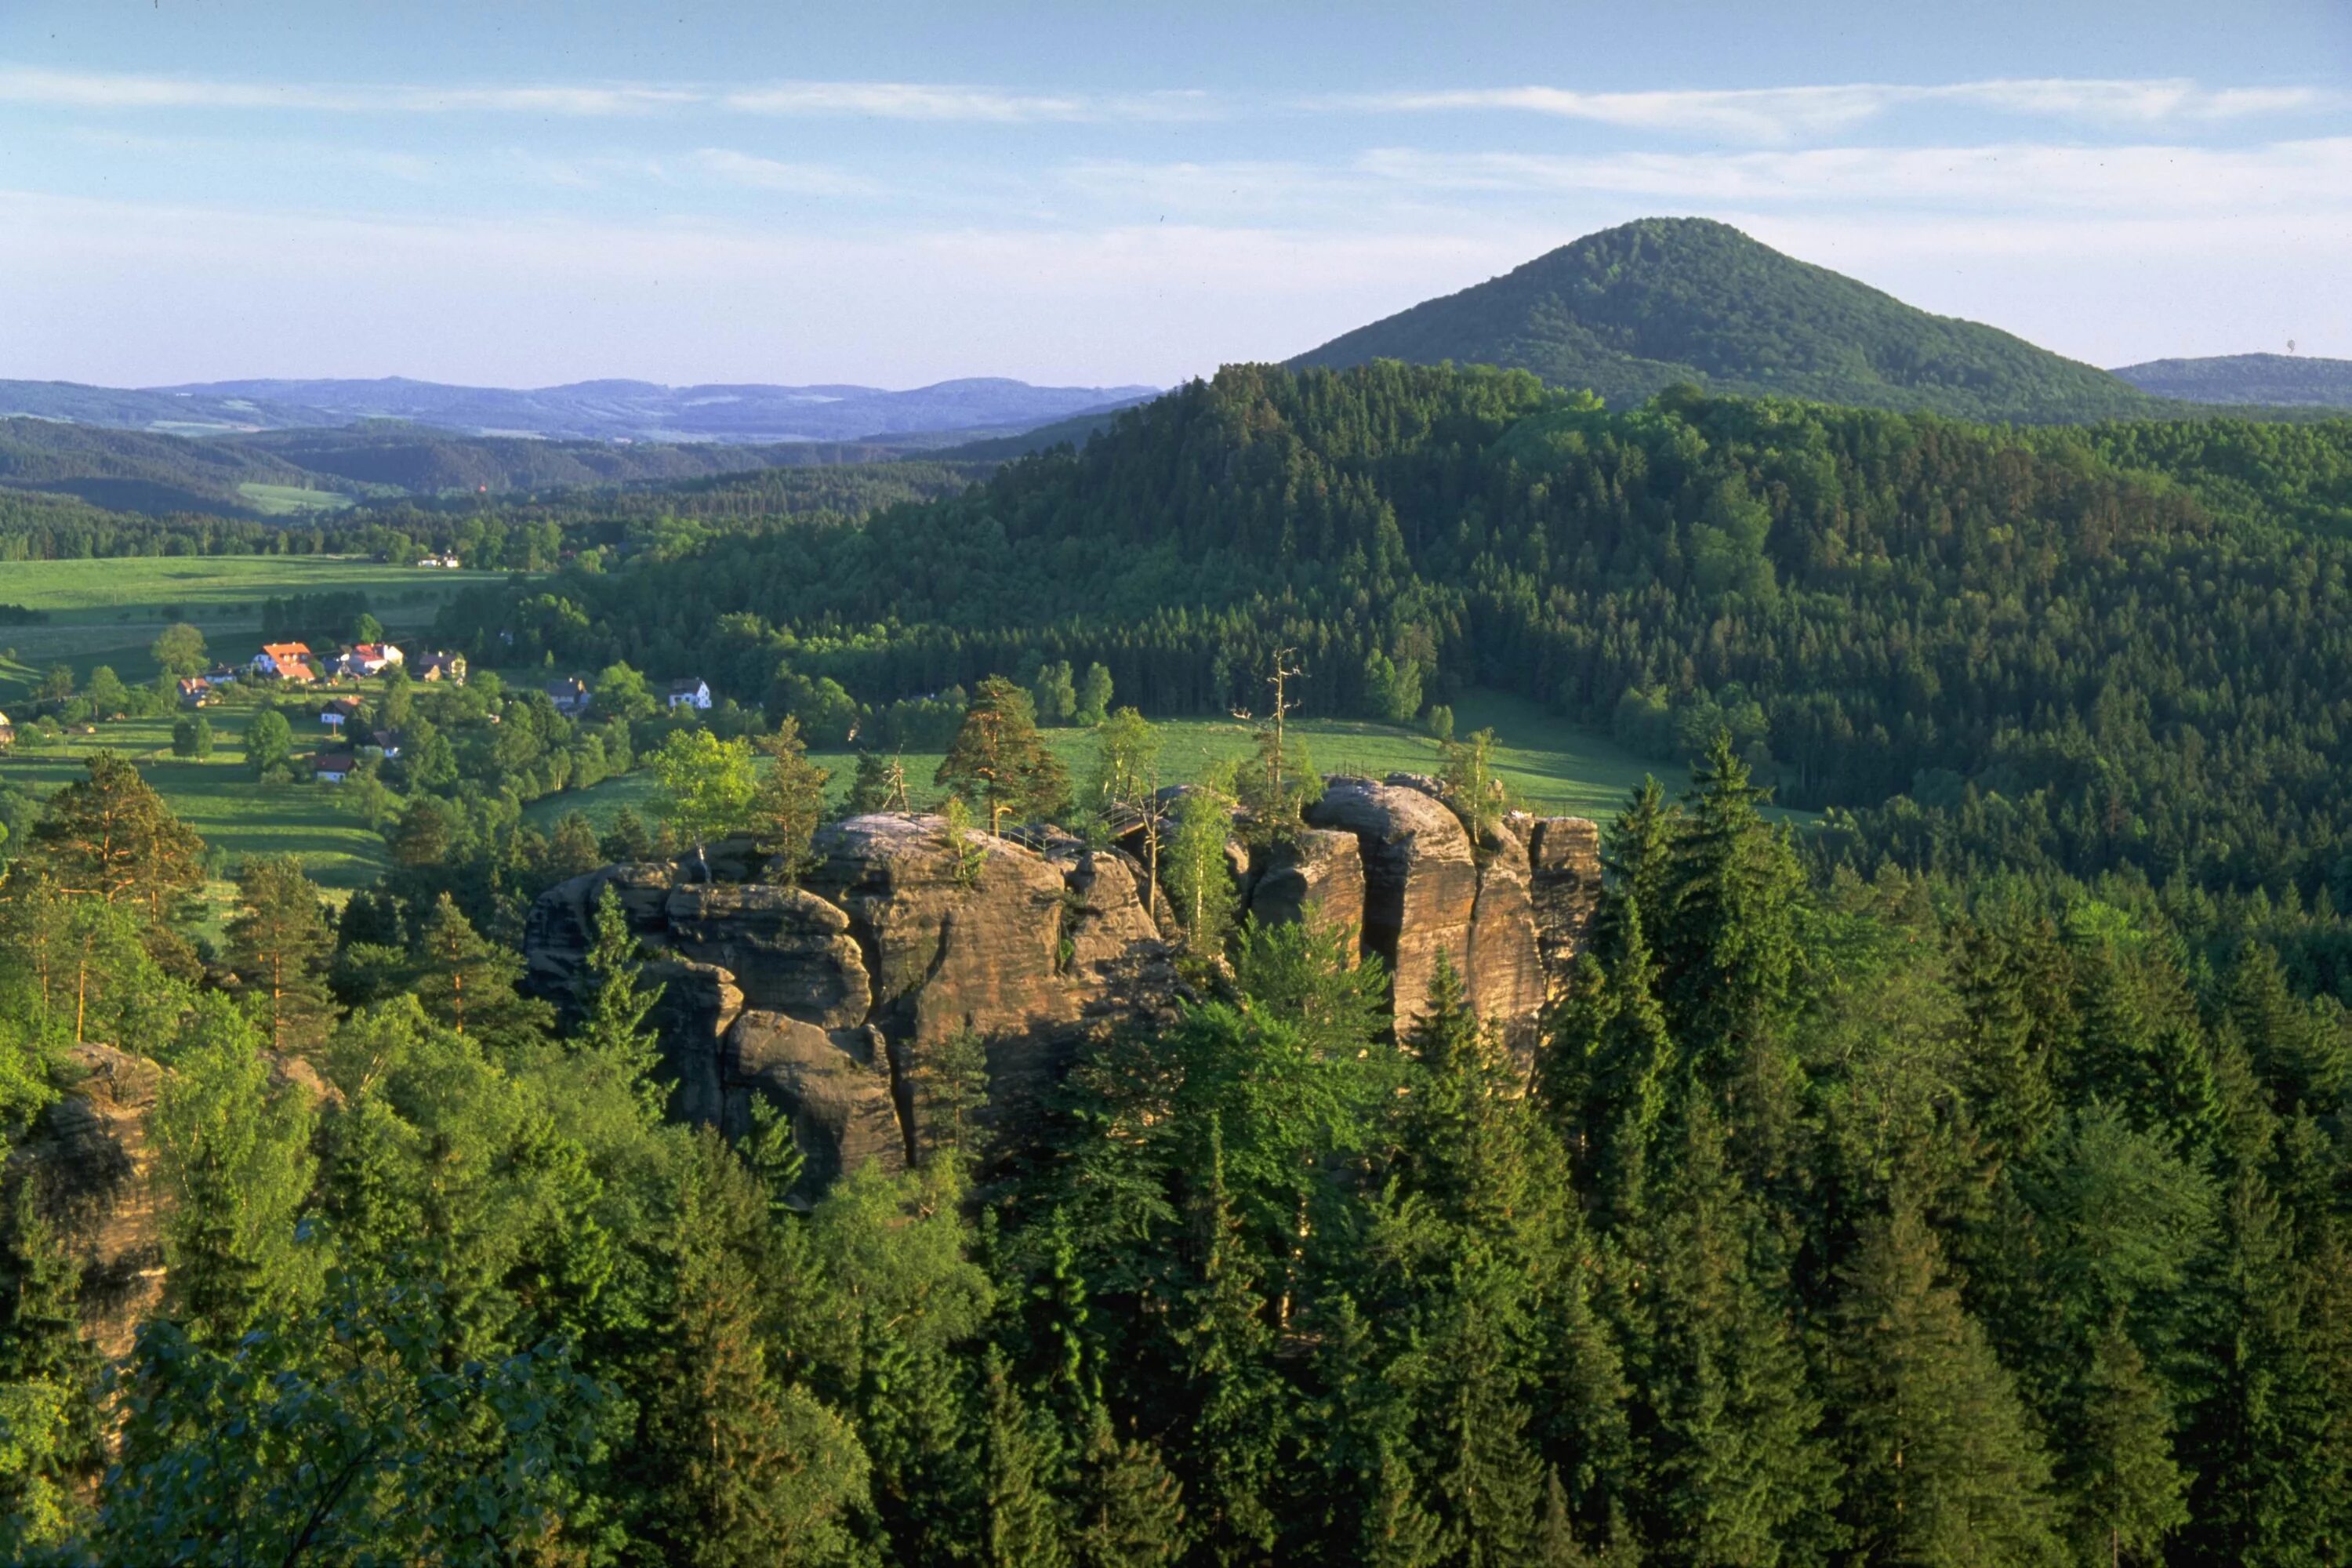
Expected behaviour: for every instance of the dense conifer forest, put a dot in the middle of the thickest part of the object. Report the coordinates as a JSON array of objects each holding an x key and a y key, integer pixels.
[{"x": 1961, "y": 1177}]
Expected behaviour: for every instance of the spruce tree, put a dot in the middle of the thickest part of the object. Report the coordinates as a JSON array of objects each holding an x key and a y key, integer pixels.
[
  {"x": 1021, "y": 1517},
  {"x": 1737, "y": 1469},
  {"x": 1129, "y": 1508},
  {"x": 615, "y": 1033},
  {"x": 744, "y": 1469},
  {"x": 1943, "y": 1463},
  {"x": 279, "y": 940},
  {"x": 2127, "y": 1493}
]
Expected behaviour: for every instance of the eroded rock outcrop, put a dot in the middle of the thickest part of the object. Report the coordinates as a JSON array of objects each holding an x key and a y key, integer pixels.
[
  {"x": 830, "y": 999},
  {"x": 1420, "y": 881},
  {"x": 87, "y": 1166},
  {"x": 1318, "y": 877},
  {"x": 1564, "y": 886}
]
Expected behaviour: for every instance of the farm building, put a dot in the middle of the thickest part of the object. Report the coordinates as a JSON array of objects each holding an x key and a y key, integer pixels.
[
  {"x": 197, "y": 691},
  {"x": 448, "y": 666},
  {"x": 693, "y": 693},
  {"x": 569, "y": 695}
]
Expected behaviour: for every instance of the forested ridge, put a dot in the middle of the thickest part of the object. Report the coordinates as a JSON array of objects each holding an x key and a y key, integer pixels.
[
  {"x": 1628, "y": 311},
  {"x": 2076, "y": 650},
  {"x": 1964, "y": 1179}
]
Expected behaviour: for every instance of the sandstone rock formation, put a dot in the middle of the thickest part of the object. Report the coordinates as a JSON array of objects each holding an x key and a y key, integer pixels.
[
  {"x": 1420, "y": 881},
  {"x": 829, "y": 999},
  {"x": 1318, "y": 878},
  {"x": 1564, "y": 886},
  {"x": 87, "y": 1165}
]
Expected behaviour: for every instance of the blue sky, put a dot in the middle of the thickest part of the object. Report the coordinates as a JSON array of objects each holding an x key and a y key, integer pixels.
[{"x": 520, "y": 193}]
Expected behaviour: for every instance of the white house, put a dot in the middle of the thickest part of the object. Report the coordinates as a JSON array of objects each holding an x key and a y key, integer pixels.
[
  {"x": 371, "y": 659},
  {"x": 284, "y": 661},
  {"x": 333, "y": 767},
  {"x": 692, "y": 692}
]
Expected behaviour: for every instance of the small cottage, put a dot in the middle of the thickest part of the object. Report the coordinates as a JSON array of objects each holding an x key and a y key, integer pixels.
[
  {"x": 569, "y": 695},
  {"x": 333, "y": 767},
  {"x": 693, "y": 693},
  {"x": 448, "y": 666},
  {"x": 7, "y": 732},
  {"x": 284, "y": 661},
  {"x": 197, "y": 691}
]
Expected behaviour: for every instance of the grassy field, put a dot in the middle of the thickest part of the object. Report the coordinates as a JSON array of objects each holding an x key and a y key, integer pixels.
[
  {"x": 282, "y": 501},
  {"x": 1548, "y": 764},
  {"x": 108, "y": 612},
  {"x": 218, "y": 798}
]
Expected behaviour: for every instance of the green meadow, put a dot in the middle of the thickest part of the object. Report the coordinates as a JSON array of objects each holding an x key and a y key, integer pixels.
[
  {"x": 1548, "y": 766},
  {"x": 108, "y": 612}
]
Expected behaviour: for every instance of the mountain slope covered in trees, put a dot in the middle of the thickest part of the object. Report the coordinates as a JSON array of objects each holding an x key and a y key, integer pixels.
[
  {"x": 2277, "y": 381},
  {"x": 2052, "y": 647},
  {"x": 1631, "y": 311}
]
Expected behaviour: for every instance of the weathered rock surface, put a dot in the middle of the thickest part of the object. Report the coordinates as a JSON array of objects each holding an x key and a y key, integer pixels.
[
  {"x": 1318, "y": 879},
  {"x": 834, "y": 1084},
  {"x": 1564, "y": 886},
  {"x": 829, "y": 997},
  {"x": 789, "y": 950},
  {"x": 86, "y": 1164},
  {"x": 1420, "y": 881},
  {"x": 1505, "y": 972}
]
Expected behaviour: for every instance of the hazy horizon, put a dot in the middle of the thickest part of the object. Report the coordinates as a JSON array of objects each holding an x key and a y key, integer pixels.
[{"x": 536, "y": 195}]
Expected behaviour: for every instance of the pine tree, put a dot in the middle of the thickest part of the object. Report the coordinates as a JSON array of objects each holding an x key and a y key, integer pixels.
[
  {"x": 2126, "y": 1491},
  {"x": 1130, "y": 1507},
  {"x": 462, "y": 979},
  {"x": 1023, "y": 1518},
  {"x": 110, "y": 835},
  {"x": 614, "y": 1030},
  {"x": 1944, "y": 1465},
  {"x": 998, "y": 762},
  {"x": 279, "y": 940},
  {"x": 744, "y": 1469},
  {"x": 789, "y": 802}
]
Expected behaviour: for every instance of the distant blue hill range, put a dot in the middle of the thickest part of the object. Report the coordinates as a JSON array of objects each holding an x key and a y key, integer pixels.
[{"x": 586, "y": 410}]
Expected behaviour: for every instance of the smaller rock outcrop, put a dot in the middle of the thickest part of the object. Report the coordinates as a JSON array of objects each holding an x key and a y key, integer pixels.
[
  {"x": 1316, "y": 878},
  {"x": 1564, "y": 887},
  {"x": 1420, "y": 881},
  {"x": 87, "y": 1165}
]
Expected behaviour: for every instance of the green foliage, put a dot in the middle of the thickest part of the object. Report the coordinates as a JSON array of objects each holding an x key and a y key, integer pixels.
[
  {"x": 268, "y": 743},
  {"x": 191, "y": 738},
  {"x": 997, "y": 762},
  {"x": 234, "y": 1155},
  {"x": 704, "y": 786},
  {"x": 788, "y": 802}
]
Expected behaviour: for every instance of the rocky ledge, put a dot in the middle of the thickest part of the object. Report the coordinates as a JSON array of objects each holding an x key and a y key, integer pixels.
[{"x": 829, "y": 998}]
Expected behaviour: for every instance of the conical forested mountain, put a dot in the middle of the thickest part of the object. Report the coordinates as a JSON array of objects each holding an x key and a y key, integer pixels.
[{"x": 1632, "y": 311}]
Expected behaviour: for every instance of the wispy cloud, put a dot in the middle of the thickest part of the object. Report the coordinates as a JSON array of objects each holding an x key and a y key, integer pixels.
[
  {"x": 935, "y": 101},
  {"x": 729, "y": 166},
  {"x": 2149, "y": 180},
  {"x": 1793, "y": 113},
  {"x": 86, "y": 89}
]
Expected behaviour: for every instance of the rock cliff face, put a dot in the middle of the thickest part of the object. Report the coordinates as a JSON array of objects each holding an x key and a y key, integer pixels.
[
  {"x": 830, "y": 999},
  {"x": 87, "y": 1165}
]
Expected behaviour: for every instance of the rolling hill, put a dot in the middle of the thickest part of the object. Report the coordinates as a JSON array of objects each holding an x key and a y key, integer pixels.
[
  {"x": 588, "y": 410},
  {"x": 2275, "y": 381},
  {"x": 1631, "y": 311}
]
